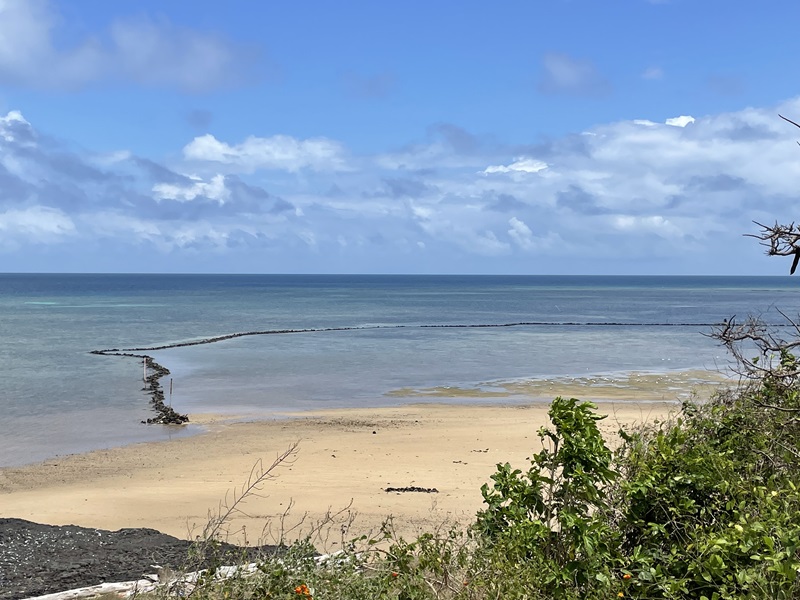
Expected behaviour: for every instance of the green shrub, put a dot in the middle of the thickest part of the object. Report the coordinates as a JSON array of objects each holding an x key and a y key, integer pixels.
[
  {"x": 707, "y": 509},
  {"x": 552, "y": 519}
]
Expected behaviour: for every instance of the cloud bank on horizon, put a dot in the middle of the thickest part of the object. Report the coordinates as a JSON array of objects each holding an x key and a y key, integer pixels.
[{"x": 205, "y": 186}]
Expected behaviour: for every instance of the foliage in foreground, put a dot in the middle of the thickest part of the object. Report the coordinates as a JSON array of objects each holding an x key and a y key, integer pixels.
[{"x": 703, "y": 506}]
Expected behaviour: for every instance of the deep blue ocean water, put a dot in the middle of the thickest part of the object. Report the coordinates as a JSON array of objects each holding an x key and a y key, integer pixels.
[{"x": 56, "y": 398}]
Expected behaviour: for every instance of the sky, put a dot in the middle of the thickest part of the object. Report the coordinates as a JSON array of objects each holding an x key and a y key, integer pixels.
[{"x": 516, "y": 137}]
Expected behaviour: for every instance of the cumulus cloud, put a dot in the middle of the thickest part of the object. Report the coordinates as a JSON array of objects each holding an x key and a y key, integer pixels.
[
  {"x": 687, "y": 182},
  {"x": 37, "y": 224},
  {"x": 684, "y": 188},
  {"x": 526, "y": 240},
  {"x": 146, "y": 51},
  {"x": 214, "y": 190},
  {"x": 14, "y": 128},
  {"x": 564, "y": 74},
  {"x": 520, "y": 165},
  {"x": 520, "y": 233},
  {"x": 681, "y": 121},
  {"x": 280, "y": 152},
  {"x": 55, "y": 197},
  {"x": 632, "y": 187},
  {"x": 650, "y": 224},
  {"x": 486, "y": 243}
]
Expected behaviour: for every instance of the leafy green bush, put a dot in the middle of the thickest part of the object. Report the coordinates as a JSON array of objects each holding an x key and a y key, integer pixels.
[
  {"x": 707, "y": 503},
  {"x": 553, "y": 518}
]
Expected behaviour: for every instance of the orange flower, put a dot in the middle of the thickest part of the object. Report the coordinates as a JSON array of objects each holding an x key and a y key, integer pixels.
[
  {"x": 626, "y": 576},
  {"x": 302, "y": 590}
]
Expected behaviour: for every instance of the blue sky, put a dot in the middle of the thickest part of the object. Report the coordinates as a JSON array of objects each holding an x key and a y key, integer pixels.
[{"x": 556, "y": 136}]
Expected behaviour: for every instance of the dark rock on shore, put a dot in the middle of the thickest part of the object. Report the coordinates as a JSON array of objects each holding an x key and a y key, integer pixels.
[
  {"x": 166, "y": 414},
  {"x": 43, "y": 559},
  {"x": 412, "y": 488}
]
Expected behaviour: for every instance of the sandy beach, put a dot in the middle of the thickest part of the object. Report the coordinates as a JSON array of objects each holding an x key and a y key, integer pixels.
[{"x": 345, "y": 460}]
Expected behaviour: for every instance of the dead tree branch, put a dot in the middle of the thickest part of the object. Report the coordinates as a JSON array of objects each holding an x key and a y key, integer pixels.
[
  {"x": 760, "y": 351},
  {"x": 780, "y": 240}
]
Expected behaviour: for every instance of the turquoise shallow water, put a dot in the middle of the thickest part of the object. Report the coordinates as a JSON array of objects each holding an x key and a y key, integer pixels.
[{"x": 57, "y": 398}]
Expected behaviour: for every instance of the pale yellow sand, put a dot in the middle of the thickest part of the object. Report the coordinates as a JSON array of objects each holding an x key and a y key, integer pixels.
[{"x": 345, "y": 458}]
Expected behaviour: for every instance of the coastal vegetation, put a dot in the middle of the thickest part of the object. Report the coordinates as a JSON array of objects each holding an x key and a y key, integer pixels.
[{"x": 703, "y": 505}]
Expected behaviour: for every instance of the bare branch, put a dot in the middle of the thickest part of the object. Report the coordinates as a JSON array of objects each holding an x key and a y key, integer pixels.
[
  {"x": 759, "y": 351},
  {"x": 789, "y": 120},
  {"x": 774, "y": 407},
  {"x": 258, "y": 476},
  {"x": 780, "y": 240}
]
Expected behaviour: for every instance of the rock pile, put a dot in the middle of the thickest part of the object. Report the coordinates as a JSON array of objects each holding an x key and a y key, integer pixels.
[
  {"x": 42, "y": 559},
  {"x": 166, "y": 415}
]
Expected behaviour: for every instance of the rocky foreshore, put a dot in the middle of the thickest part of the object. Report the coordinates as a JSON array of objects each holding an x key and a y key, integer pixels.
[{"x": 44, "y": 559}]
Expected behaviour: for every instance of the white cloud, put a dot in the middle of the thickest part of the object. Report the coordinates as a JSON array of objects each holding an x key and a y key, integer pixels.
[
  {"x": 11, "y": 125},
  {"x": 649, "y": 224},
  {"x": 213, "y": 190},
  {"x": 280, "y": 152},
  {"x": 520, "y": 233},
  {"x": 107, "y": 159},
  {"x": 485, "y": 243},
  {"x": 681, "y": 121},
  {"x": 36, "y": 223},
  {"x": 126, "y": 228},
  {"x": 141, "y": 50},
  {"x": 526, "y": 240},
  {"x": 520, "y": 165},
  {"x": 635, "y": 188}
]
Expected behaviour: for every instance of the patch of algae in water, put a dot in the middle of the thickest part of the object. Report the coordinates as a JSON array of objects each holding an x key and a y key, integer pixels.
[{"x": 636, "y": 386}]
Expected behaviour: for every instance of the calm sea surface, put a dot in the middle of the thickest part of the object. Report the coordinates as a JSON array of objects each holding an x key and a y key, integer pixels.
[{"x": 56, "y": 398}]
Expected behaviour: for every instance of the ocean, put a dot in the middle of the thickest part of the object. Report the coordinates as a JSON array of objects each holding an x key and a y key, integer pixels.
[{"x": 368, "y": 341}]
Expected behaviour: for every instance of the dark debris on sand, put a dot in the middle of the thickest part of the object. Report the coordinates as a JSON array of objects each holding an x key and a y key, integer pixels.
[{"x": 43, "y": 559}]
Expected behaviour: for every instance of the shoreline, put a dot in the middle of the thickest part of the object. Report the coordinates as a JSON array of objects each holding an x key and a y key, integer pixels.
[
  {"x": 642, "y": 387},
  {"x": 346, "y": 460}
]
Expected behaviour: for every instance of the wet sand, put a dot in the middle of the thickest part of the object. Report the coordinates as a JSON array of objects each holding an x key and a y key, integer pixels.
[
  {"x": 345, "y": 460},
  {"x": 641, "y": 387}
]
